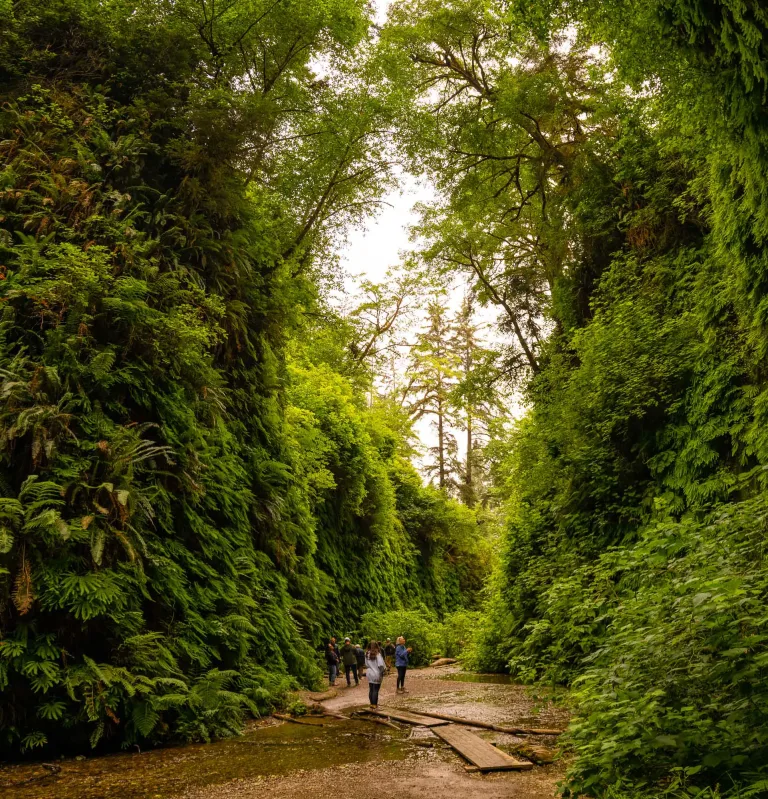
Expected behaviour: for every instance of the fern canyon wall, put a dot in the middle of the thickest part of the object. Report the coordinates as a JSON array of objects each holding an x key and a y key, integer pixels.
[
  {"x": 601, "y": 172},
  {"x": 191, "y": 498}
]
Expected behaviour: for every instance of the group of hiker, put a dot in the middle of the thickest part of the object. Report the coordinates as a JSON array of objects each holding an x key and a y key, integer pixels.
[{"x": 374, "y": 663}]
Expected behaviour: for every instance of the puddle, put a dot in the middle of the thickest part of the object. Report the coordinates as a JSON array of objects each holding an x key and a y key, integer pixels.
[
  {"x": 466, "y": 676},
  {"x": 162, "y": 773}
]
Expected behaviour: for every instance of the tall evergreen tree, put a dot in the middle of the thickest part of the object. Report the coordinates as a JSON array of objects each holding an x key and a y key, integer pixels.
[
  {"x": 432, "y": 374},
  {"x": 476, "y": 400}
]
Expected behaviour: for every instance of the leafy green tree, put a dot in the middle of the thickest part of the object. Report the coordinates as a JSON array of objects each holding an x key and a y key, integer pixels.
[
  {"x": 504, "y": 124},
  {"x": 636, "y": 243}
]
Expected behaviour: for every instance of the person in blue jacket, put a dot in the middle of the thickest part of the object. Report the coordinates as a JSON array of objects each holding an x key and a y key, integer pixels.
[{"x": 401, "y": 663}]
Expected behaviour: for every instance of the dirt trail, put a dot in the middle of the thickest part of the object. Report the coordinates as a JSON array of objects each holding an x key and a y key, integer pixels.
[{"x": 285, "y": 760}]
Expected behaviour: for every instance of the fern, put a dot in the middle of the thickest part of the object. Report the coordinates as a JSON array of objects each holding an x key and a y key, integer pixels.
[
  {"x": 34, "y": 740},
  {"x": 144, "y": 717}
]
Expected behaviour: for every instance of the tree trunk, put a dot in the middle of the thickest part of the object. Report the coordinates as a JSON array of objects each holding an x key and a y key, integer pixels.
[
  {"x": 441, "y": 442},
  {"x": 470, "y": 496}
]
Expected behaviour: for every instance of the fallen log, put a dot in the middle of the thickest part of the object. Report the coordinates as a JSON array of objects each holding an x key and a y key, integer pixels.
[
  {"x": 407, "y": 717},
  {"x": 363, "y": 716},
  {"x": 298, "y": 721},
  {"x": 443, "y": 662},
  {"x": 317, "y": 696},
  {"x": 316, "y": 709},
  {"x": 538, "y": 754},
  {"x": 333, "y": 715},
  {"x": 486, "y": 726}
]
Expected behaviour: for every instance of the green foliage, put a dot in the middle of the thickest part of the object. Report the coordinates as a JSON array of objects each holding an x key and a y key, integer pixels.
[
  {"x": 676, "y": 687},
  {"x": 420, "y": 628},
  {"x": 181, "y": 507},
  {"x": 458, "y": 631},
  {"x": 617, "y": 202}
]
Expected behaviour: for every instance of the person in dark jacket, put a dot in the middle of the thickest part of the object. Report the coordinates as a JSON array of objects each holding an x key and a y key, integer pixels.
[
  {"x": 401, "y": 663},
  {"x": 349, "y": 659},
  {"x": 332, "y": 659},
  {"x": 360, "y": 655},
  {"x": 389, "y": 653}
]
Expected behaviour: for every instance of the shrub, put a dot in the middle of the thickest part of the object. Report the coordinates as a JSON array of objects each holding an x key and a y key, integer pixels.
[
  {"x": 458, "y": 630},
  {"x": 421, "y": 629},
  {"x": 678, "y": 688}
]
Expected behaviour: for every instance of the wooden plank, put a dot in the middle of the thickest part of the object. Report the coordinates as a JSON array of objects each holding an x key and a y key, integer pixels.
[
  {"x": 480, "y": 753},
  {"x": 409, "y": 718},
  {"x": 495, "y": 727}
]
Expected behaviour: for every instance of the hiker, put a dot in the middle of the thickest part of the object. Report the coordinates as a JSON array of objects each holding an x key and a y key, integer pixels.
[
  {"x": 360, "y": 655},
  {"x": 349, "y": 659},
  {"x": 332, "y": 659},
  {"x": 336, "y": 648},
  {"x": 401, "y": 663},
  {"x": 389, "y": 653},
  {"x": 375, "y": 669}
]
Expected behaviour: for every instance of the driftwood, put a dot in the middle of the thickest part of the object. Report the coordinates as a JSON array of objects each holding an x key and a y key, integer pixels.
[
  {"x": 333, "y": 715},
  {"x": 443, "y": 662},
  {"x": 317, "y": 696},
  {"x": 316, "y": 709},
  {"x": 538, "y": 754},
  {"x": 298, "y": 721},
  {"x": 363, "y": 716},
  {"x": 268, "y": 744},
  {"x": 486, "y": 726}
]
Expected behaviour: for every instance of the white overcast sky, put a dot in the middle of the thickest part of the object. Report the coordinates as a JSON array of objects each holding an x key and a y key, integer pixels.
[
  {"x": 371, "y": 250},
  {"x": 374, "y": 248}
]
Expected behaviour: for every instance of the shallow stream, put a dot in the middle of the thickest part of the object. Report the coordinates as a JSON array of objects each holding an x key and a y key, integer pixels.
[{"x": 268, "y": 750}]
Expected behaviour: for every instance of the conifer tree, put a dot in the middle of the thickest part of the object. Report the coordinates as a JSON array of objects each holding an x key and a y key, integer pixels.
[
  {"x": 433, "y": 371},
  {"x": 474, "y": 398}
]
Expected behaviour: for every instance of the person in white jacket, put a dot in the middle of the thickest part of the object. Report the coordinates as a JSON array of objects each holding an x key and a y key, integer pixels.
[{"x": 375, "y": 667}]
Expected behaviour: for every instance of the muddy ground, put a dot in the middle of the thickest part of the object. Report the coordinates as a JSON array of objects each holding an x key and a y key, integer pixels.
[{"x": 284, "y": 760}]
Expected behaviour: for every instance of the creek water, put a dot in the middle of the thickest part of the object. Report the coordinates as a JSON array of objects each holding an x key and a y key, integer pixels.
[{"x": 269, "y": 750}]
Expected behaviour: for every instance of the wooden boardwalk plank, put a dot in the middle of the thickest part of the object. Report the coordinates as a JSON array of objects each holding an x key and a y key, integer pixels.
[
  {"x": 409, "y": 718},
  {"x": 479, "y": 752}
]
